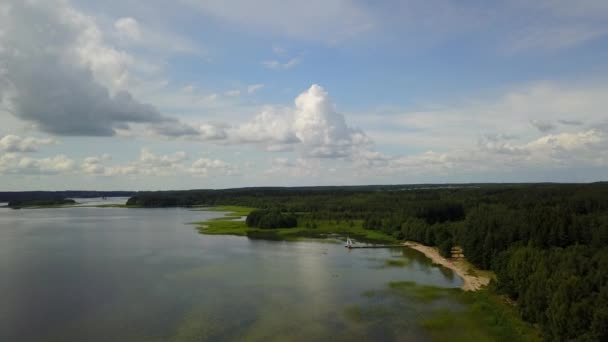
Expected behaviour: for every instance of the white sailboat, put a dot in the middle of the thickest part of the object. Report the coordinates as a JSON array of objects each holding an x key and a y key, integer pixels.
[{"x": 349, "y": 243}]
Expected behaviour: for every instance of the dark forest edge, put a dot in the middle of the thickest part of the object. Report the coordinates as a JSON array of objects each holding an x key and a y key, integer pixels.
[
  {"x": 56, "y": 199},
  {"x": 547, "y": 243},
  {"x": 8, "y": 196},
  {"x": 41, "y": 203}
]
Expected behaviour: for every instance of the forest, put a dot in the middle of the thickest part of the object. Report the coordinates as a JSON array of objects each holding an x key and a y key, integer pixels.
[
  {"x": 547, "y": 243},
  {"x": 8, "y": 196}
]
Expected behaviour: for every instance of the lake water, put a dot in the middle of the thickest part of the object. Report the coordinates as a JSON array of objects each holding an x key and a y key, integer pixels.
[{"x": 113, "y": 274}]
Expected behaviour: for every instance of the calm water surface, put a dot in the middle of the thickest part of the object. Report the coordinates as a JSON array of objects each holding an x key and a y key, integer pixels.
[{"x": 112, "y": 274}]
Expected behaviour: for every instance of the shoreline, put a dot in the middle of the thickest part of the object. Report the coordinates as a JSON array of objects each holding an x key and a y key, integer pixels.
[{"x": 472, "y": 281}]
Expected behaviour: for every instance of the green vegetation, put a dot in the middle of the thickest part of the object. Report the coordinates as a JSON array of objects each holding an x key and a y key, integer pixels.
[
  {"x": 396, "y": 263},
  {"x": 231, "y": 225},
  {"x": 547, "y": 243},
  {"x": 423, "y": 293},
  {"x": 463, "y": 316},
  {"x": 271, "y": 219},
  {"x": 233, "y": 211},
  {"x": 485, "y": 317},
  {"x": 40, "y": 203}
]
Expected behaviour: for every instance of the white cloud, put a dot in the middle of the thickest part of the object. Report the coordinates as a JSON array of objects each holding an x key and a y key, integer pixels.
[
  {"x": 206, "y": 167},
  {"x": 14, "y": 163},
  {"x": 458, "y": 125},
  {"x": 549, "y": 152},
  {"x": 130, "y": 32},
  {"x": 128, "y": 28},
  {"x": 253, "y": 88},
  {"x": 62, "y": 76},
  {"x": 277, "y": 65},
  {"x": 150, "y": 164},
  {"x": 272, "y": 126},
  {"x": 313, "y": 127},
  {"x": 233, "y": 93},
  {"x": 14, "y": 143},
  {"x": 322, "y": 130}
]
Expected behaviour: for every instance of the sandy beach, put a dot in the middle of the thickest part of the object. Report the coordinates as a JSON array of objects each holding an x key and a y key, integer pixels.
[{"x": 472, "y": 281}]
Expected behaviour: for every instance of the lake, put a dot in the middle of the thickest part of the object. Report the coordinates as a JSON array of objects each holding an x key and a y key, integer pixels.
[{"x": 114, "y": 274}]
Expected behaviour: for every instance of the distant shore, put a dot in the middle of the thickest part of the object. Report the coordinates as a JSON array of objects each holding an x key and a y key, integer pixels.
[{"x": 473, "y": 279}]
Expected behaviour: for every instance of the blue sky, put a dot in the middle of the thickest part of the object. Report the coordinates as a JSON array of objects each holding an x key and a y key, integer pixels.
[{"x": 212, "y": 94}]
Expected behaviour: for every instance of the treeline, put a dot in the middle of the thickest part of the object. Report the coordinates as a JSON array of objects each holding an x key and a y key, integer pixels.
[
  {"x": 547, "y": 243},
  {"x": 21, "y": 203},
  {"x": 8, "y": 196},
  {"x": 271, "y": 219}
]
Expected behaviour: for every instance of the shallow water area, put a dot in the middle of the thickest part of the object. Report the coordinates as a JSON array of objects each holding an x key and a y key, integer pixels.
[{"x": 94, "y": 274}]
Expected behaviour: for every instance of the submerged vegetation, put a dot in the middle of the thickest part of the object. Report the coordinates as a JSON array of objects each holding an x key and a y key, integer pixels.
[
  {"x": 547, "y": 243},
  {"x": 462, "y": 316}
]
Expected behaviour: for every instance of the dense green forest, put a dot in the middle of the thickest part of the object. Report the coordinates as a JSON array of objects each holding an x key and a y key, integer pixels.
[
  {"x": 547, "y": 243},
  {"x": 271, "y": 219}
]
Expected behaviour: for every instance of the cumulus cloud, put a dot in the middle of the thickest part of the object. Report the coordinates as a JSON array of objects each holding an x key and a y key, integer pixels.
[
  {"x": 15, "y": 163},
  {"x": 272, "y": 126},
  {"x": 456, "y": 125},
  {"x": 206, "y": 166},
  {"x": 312, "y": 126},
  {"x": 152, "y": 164},
  {"x": 15, "y": 143},
  {"x": 94, "y": 165},
  {"x": 551, "y": 151},
  {"x": 59, "y": 74},
  {"x": 322, "y": 130}
]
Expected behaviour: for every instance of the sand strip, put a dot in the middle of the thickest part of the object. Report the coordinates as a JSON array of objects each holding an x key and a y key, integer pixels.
[{"x": 472, "y": 282}]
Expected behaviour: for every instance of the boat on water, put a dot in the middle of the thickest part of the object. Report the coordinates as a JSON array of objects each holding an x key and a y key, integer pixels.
[{"x": 349, "y": 243}]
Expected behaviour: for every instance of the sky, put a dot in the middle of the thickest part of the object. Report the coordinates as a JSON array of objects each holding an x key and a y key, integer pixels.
[{"x": 184, "y": 94}]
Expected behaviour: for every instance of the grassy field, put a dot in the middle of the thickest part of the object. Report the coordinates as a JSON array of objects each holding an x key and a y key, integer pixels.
[{"x": 229, "y": 225}]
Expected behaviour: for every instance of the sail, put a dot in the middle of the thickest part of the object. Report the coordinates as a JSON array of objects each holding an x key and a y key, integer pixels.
[{"x": 349, "y": 242}]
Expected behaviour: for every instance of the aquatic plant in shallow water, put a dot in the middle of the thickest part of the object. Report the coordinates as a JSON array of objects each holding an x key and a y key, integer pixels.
[{"x": 445, "y": 314}]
